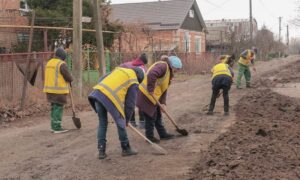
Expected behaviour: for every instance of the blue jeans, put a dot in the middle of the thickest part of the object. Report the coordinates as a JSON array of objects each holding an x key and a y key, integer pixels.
[{"x": 102, "y": 128}]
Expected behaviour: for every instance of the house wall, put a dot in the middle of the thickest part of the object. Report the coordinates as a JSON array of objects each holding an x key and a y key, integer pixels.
[
  {"x": 161, "y": 41},
  {"x": 10, "y": 15},
  {"x": 9, "y": 4}
]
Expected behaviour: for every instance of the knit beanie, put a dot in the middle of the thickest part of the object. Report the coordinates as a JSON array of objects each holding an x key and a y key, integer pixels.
[
  {"x": 60, "y": 53},
  {"x": 175, "y": 62},
  {"x": 143, "y": 57},
  {"x": 139, "y": 74}
]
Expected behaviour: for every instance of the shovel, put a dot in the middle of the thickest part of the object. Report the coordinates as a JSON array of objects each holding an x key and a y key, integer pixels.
[
  {"x": 205, "y": 108},
  {"x": 159, "y": 149},
  {"x": 75, "y": 119},
  {"x": 180, "y": 131}
]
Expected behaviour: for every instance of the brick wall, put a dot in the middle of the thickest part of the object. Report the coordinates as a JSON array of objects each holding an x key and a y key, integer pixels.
[
  {"x": 10, "y": 15},
  {"x": 9, "y": 4},
  {"x": 160, "y": 41}
]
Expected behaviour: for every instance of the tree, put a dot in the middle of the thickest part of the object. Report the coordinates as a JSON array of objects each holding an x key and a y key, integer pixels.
[{"x": 59, "y": 13}]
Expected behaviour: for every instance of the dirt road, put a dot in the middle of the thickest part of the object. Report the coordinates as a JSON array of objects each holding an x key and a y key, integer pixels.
[{"x": 30, "y": 151}]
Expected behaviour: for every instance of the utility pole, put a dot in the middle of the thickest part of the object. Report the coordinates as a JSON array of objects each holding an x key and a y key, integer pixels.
[
  {"x": 287, "y": 35},
  {"x": 99, "y": 37},
  {"x": 77, "y": 51},
  {"x": 251, "y": 24},
  {"x": 279, "y": 39}
]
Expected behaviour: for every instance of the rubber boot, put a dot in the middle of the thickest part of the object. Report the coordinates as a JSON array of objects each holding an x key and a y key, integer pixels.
[
  {"x": 126, "y": 150},
  {"x": 248, "y": 85},
  {"x": 102, "y": 148}
]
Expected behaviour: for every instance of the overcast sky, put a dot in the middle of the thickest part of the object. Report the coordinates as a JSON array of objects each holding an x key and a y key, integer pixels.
[{"x": 264, "y": 11}]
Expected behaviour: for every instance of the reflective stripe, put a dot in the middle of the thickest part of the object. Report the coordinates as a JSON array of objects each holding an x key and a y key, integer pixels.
[
  {"x": 56, "y": 88},
  {"x": 144, "y": 86},
  {"x": 125, "y": 84},
  {"x": 114, "y": 92},
  {"x": 56, "y": 74}
]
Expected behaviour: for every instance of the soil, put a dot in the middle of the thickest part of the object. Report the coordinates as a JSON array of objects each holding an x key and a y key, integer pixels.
[
  {"x": 264, "y": 142},
  {"x": 30, "y": 151}
]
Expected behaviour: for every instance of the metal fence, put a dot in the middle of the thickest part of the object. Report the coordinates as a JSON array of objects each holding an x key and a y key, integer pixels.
[
  {"x": 11, "y": 77},
  {"x": 12, "y": 65}
]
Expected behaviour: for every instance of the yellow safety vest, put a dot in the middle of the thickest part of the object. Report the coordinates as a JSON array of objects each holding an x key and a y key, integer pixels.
[
  {"x": 115, "y": 86},
  {"x": 219, "y": 69},
  {"x": 54, "y": 81},
  {"x": 246, "y": 61},
  {"x": 161, "y": 85}
]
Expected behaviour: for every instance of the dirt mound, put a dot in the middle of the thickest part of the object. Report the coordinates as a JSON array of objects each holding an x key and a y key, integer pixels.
[
  {"x": 12, "y": 113},
  {"x": 263, "y": 144}
]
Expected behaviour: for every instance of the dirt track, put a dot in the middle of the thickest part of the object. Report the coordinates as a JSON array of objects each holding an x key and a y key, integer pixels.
[{"x": 32, "y": 152}]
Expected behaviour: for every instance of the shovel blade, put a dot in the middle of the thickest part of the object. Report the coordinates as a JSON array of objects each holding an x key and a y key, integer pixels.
[
  {"x": 182, "y": 132},
  {"x": 77, "y": 122}
]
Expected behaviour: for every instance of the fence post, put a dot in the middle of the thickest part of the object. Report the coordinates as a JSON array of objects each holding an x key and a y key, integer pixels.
[
  {"x": 12, "y": 81},
  {"x": 27, "y": 63}
]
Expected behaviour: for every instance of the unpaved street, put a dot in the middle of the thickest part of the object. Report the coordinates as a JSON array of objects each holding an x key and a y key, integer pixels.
[{"x": 32, "y": 152}]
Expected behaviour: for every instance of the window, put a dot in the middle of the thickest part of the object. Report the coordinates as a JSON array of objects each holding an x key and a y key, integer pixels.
[
  {"x": 186, "y": 42},
  {"x": 191, "y": 13},
  {"x": 22, "y": 5},
  {"x": 198, "y": 44}
]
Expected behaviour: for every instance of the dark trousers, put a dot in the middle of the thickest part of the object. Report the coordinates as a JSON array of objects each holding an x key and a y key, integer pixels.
[
  {"x": 141, "y": 116},
  {"x": 217, "y": 86},
  {"x": 156, "y": 122}
]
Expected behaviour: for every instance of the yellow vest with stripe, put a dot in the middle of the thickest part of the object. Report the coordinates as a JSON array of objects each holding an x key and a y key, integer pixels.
[
  {"x": 54, "y": 81},
  {"x": 162, "y": 84},
  {"x": 115, "y": 86},
  {"x": 219, "y": 69},
  {"x": 246, "y": 61}
]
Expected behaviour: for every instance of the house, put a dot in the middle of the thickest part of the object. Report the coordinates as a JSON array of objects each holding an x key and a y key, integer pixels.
[
  {"x": 221, "y": 32},
  {"x": 164, "y": 25},
  {"x": 12, "y": 13}
]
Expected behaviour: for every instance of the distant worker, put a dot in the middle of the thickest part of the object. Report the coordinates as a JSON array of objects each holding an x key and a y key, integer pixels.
[
  {"x": 222, "y": 75},
  {"x": 141, "y": 62},
  {"x": 156, "y": 83},
  {"x": 56, "y": 86},
  {"x": 247, "y": 57},
  {"x": 116, "y": 93}
]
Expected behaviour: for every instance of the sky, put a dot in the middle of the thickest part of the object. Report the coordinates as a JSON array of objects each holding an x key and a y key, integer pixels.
[{"x": 266, "y": 12}]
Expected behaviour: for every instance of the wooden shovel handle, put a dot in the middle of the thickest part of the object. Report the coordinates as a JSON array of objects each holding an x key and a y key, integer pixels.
[
  {"x": 139, "y": 133},
  {"x": 165, "y": 111},
  {"x": 72, "y": 101}
]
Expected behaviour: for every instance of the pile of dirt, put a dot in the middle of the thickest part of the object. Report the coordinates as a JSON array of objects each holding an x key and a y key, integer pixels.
[
  {"x": 13, "y": 113},
  {"x": 263, "y": 144}
]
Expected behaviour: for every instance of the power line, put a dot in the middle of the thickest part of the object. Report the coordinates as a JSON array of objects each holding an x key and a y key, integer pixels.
[{"x": 219, "y": 6}]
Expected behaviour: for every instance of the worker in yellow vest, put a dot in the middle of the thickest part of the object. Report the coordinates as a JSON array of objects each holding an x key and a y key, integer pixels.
[
  {"x": 56, "y": 87},
  {"x": 247, "y": 58},
  {"x": 116, "y": 93},
  {"x": 222, "y": 75},
  {"x": 156, "y": 84}
]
